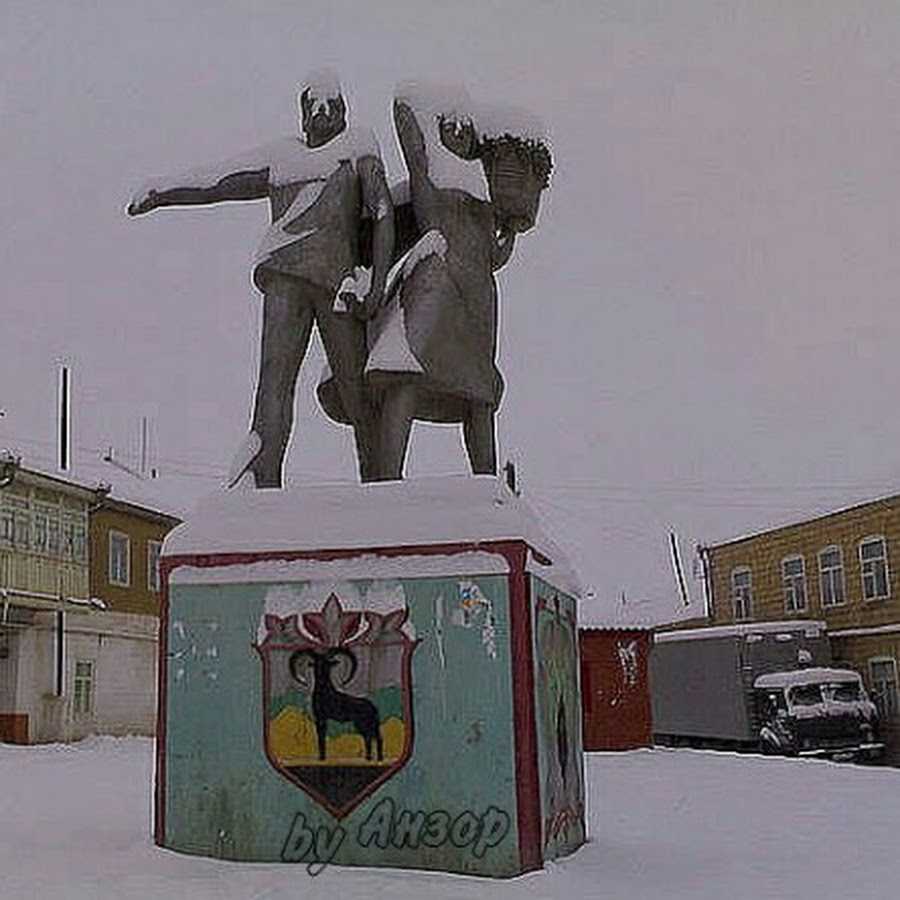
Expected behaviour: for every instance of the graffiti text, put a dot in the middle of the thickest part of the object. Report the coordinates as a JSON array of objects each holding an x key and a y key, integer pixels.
[{"x": 384, "y": 826}]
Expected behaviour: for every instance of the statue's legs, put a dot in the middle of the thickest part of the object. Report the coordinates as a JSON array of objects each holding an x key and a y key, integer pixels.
[
  {"x": 480, "y": 438},
  {"x": 396, "y": 406},
  {"x": 344, "y": 338},
  {"x": 287, "y": 324}
]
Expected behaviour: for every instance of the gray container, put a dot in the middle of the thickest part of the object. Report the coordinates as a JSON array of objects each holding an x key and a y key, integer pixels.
[{"x": 701, "y": 680}]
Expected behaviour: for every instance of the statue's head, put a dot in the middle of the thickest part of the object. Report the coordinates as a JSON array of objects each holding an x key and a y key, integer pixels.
[
  {"x": 517, "y": 171},
  {"x": 323, "y": 110}
]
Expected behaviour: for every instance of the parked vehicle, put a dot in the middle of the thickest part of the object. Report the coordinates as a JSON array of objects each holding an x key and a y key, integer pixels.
[{"x": 767, "y": 686}]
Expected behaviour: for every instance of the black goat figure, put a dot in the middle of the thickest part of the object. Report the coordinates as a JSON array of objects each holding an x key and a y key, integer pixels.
[{"x": 330, "y": 703}]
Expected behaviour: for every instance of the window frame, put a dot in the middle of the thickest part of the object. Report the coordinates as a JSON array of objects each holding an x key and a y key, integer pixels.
[
  {"x": 83, "y": 689},
  {"x": 742, "y": 594},
  {"x": 153, "y": 579},
  {"x": 789, "y": 584},
  {"x": 839, "y": 569},
  {"x": 112, "y": 570},
  {"x": 883, "y": 559},
  {"x": 891, "y": 710}
]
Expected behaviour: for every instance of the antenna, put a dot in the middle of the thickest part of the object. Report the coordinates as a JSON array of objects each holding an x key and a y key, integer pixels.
[
  {"x": 141, "y": 473},
  {"x": 679, "y": 572},
  {"x": 64, "y": 418}
]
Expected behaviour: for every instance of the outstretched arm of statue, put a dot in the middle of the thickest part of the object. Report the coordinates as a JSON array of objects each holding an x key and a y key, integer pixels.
[
  {"x": 191, "y": 190},
  {"x": 244, "y": 177},
  {"x": 377, "y": 201}
]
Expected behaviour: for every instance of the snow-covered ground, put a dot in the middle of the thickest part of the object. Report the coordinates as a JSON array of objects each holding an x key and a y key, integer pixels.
[{"x": 75, "y": 823}]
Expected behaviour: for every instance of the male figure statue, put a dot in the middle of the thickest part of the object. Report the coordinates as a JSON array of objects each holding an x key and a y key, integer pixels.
[{"x": 319, "y": 185}]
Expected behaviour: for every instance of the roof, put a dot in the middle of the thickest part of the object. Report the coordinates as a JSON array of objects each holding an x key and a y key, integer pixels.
[
  {"x": 889, "y": 500},
  {"x": 92, "y": 494},
  {"x": 744, "y": 630},
  {"x": 603, "y": 629},
  {"x": 412, "y": 513},
  {"x": 54, "y": 482},
  {"x": 816, "y": 675},
  {"x": 145, "y": 512}
]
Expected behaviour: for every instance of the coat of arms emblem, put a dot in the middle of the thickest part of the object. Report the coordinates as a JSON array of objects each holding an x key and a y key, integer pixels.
[{"x": 337, "y": 700}]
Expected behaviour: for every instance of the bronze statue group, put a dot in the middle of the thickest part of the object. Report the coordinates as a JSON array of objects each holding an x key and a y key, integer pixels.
[{"x": 399, "y": 279}]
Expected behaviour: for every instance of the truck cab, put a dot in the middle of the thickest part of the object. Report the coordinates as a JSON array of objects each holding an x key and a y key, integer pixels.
[{"x": 817, "y": 711}]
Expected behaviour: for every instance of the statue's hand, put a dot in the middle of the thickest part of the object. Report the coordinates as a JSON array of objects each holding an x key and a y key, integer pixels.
[
  {"x": 370, "y": 305},
  {"x": 504, "y": 241},
  {"x": 143, "y": 203}
]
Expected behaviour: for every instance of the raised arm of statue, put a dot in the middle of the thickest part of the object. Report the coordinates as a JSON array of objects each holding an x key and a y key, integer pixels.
[
  {"x": 376, "y": 198},
  {"x": 412, "y": 143},
  {"x": 240, "y": 178}
]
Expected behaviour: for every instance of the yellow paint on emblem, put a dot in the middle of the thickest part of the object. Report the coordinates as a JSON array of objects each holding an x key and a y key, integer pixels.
[{"x": 292, "y": 742}]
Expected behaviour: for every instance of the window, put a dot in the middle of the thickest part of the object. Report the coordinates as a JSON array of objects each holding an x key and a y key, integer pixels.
[
  {"x": 21, "y": 521},
  {"x": 883, "y": 673},
  {"x": 83, "y": 696},
  {"x": 742, "y": 593},
  {"x": 39, "y": 530},
  {"x": 153, "y": 548},
  {"x": 831, "y": 576},
  {"x": 74, "y": 541},
  {"x": 119, "y": 559},
  {"x": 7, "y": 528},
  {"x": 45, "y": 528},
  {"x": 53, "y": 536},
  {"x": 874, "y": 567},
  {"x": 793, "y": 577}
]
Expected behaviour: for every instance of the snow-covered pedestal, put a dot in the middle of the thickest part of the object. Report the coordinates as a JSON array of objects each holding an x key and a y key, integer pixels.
[{"x": 377, "y": 675}]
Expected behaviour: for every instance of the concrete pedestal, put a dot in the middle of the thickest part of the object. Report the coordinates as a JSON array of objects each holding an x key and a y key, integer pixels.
[{"x": 377, "y": 675}]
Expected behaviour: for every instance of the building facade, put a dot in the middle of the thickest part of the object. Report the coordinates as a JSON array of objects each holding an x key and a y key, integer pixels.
[
  {"x": 79, "y": 618},
  {"x": 842, "y": 568}
]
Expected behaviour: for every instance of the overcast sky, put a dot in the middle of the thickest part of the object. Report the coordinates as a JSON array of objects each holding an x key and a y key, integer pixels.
[{"x": 701, "y": 333}]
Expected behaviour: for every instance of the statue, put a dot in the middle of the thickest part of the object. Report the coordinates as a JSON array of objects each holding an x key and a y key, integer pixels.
[
  {"x": 474, "y": 186},
  {"x": 311, "y": 265}
]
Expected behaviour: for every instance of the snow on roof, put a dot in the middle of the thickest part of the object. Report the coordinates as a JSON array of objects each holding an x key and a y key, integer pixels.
[
  {"x": 641, "y": 614},
  {"x": 140, "y": 496},
  {"x": 412, "y": 513},
  {"x": 816, "y": 675},
  {"x": 808, "y": 627},
  {"x": 621, "y": 617}
]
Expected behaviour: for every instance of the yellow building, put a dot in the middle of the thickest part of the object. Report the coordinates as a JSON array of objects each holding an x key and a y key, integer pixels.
[
  {"x": 842, "y": 568},
  {"x": 79, "y": 615}
]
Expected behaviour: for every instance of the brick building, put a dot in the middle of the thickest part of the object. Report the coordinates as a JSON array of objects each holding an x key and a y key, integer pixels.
[{"x": 842, "y": 568}]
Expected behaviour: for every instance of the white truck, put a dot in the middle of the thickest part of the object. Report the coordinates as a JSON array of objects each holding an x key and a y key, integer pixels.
[{"x": 766, "y": 686}]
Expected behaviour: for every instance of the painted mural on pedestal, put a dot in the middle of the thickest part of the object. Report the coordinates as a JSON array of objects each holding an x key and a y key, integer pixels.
[
  {"x": 559, "y": 721},
  {"x": 337, "y": 698}
]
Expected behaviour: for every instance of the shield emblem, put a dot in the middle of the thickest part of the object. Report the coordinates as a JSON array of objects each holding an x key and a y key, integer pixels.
[{"x": 337, "y": 700}]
